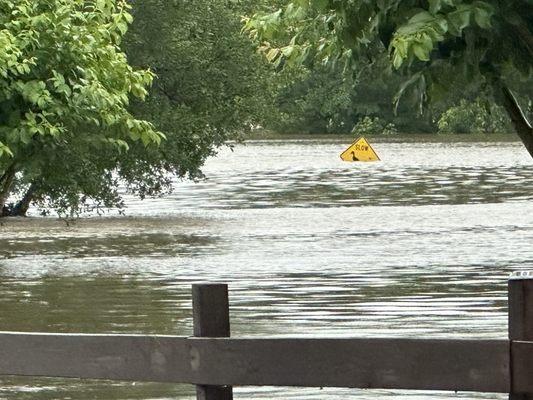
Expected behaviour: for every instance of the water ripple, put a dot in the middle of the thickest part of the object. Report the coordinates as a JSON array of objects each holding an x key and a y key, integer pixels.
[{"x": 420, "y": 244}]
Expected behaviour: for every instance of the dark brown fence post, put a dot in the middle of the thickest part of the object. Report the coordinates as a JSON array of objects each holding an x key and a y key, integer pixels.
[
  {"x": 520, "y": 321},
  {"x": 211, "y": 319}
]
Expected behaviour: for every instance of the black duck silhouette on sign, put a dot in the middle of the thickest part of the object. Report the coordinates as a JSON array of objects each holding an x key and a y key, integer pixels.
[{"x": 360, "y": 150}]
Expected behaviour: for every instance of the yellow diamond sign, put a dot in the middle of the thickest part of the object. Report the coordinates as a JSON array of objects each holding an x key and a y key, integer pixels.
[{"x": 360, "y": 150}]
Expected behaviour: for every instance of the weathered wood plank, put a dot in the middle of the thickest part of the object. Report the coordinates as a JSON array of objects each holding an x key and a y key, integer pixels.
[
  {"x": 462, "y": 365},
  {"x": 520, "y": 292},
  {"x": 116, "y": 357},
  {"x": 522, "y": 365},
  {"x": 210, "y": 305}
]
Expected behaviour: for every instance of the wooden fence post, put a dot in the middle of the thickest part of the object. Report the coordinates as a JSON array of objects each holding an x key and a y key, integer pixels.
[
  {"x": 520, "y": 320},
  {"x": 211, "y": 319}
]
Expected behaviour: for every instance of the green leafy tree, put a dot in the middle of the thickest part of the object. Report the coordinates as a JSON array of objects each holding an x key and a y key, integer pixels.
[
  {"x": 65, "y": 88},
  {"x": 73, "y": 116},
  {"x": 473, "y": 117},
  {"x": 317, "y": 100},
  {"x": 434, "y": 44},
  {"x": 322, "y": 99},
  {"x": 211, "y": 84},
  {"x": 374, "y": 126}
]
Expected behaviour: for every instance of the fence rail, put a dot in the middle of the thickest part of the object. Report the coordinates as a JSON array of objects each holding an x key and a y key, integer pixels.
[{"x": 214, "y": 362}]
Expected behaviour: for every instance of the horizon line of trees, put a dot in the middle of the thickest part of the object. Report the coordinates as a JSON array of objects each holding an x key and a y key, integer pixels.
[
  {"x": 460, "y": 62},
  {"x": 322, "y": 100}
]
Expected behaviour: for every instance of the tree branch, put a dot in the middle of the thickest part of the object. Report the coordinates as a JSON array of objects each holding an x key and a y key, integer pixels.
[
  {"x": 5, "y": 189},
  {"x": 525, "y": 36},
  {"x": 21, "y": 208},
  {"x": 6, "y": 173},
  {"x": 520, "y": 122}
]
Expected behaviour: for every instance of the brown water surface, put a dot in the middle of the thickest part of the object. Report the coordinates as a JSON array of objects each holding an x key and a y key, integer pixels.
[{"x": 419, "y": 244}]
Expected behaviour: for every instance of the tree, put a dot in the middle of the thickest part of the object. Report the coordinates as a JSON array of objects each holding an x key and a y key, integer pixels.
[
  {"x": 321, "y": 99},
  {"x": 65, "y": 87},
  {"x": 473, "y": 117},
  {"x": 211, "y": 86},
  {"x": 73, "y": 127},
  {"x": 433, "y": 43},
  {"x": 317, "y": 100}
]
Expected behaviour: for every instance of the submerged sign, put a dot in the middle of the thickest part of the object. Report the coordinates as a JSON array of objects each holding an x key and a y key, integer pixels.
[{"x": 360, "y": 150}]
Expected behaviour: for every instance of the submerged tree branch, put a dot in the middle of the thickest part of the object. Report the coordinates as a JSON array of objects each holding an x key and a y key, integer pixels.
[
  {"x": 5, "y": 175},
  {"x": 520, "y": 122},
  {"x": 21, "y": 208},
  {"x": 6, "y": 185}
]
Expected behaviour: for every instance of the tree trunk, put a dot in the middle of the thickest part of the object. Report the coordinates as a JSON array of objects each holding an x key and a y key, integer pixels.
[
  {"x": 521, "y": 124},
  {"x": 21, "y": 208},
  {"x": 6, "y": 182}
]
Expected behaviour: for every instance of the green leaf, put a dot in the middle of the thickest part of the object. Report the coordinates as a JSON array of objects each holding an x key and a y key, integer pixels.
[
  {"x": 4, "y": 150},
  {"x": 460, "y": 18},
  {"x": 482, "y": 17},
  {"x": 421, "y": 17},
  {"x": 320, "y": 5},
  {"x": 273, "y": 54},
  {"x": 397, "y": 60},
  {"x": 401, "y": 46},
  {"x": 421, "y": 51},
  {"x": 100, "y": 5},
  {"x": 436, "y": 5}
]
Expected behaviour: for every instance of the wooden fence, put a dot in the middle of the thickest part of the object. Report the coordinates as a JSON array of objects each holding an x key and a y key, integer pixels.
[{"x": 214, "y": 362}]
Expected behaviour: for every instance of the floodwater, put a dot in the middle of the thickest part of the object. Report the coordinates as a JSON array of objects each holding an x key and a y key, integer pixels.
[{"x": 417, "y": 245}]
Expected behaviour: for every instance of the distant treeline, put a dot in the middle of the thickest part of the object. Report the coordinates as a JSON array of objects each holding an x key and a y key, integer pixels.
[{"x": 211, "y": 82}]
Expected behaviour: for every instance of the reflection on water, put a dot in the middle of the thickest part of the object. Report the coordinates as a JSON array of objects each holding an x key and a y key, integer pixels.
[
  {"x": 418, "y": 244},
  {"x": 301, "y": 174},
  {"x": 406, "y": 186},
  {"x": 127, "y": 244},
  {"x": 91, "y": 304}
]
